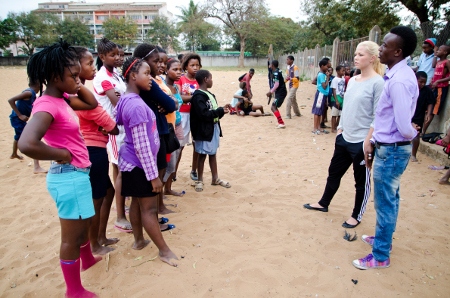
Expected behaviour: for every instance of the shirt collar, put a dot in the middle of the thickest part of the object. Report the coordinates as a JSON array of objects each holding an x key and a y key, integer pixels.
[{"x": 391, "y": 72}]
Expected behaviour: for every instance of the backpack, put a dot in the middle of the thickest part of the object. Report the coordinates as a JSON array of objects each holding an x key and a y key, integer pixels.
[
  {"x": 431, "y": 137},
  {"x": 241, "y": 77}
]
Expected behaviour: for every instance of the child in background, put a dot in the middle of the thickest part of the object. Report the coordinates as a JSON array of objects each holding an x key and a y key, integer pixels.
[
  {"x": 292, "y": 76},
  {"x": 54, "y": 120},
  {"x": 187, "y": 83},
  {"x": 205, "y": 127},
  {"x": 321, "y": 94},
  {"x": 174, "y": 74},
  {"x": 108, "y": 87},
  {"x": 94, "y": 126},
  {"x": 121, "y": 59},
  {"x": 237, "y": 97},
  {"x": 440, "y": 80},
  {"x": 337, "y": 88},
  {"x": 327, "y": 102},
  {"x": 424, "y": 109},
  {"x": 279, "y": 89},
  {"x": 347, "y": 76},
  {"x": 21, "y": 105},
  {"x": 246, "y": 107},
  {"x": 137, "y": 159}
]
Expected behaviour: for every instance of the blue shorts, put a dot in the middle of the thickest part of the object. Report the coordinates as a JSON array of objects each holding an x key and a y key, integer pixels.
[
  {"x": 18, "y": 126},
  {"x": 71, "y": 191},
  {"x": 210, "y": 148}
]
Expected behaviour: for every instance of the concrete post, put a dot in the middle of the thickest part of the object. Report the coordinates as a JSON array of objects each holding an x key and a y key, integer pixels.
[
  {"x": 334, "y": 55},
  {"x": 375, "y": 34}
]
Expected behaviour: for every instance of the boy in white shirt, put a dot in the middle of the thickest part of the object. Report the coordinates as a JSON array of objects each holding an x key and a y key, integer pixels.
[{"x": 337, "y": 100}]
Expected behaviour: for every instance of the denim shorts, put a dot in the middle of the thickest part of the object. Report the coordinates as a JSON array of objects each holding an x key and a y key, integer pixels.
[{"x": 70, "y": 188}]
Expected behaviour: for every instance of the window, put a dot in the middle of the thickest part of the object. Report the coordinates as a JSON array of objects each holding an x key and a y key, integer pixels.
[{"x": 102, "y": 18}]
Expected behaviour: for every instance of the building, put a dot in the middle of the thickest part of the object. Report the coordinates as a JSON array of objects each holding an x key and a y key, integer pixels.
[{"x": 94, "y": 14}]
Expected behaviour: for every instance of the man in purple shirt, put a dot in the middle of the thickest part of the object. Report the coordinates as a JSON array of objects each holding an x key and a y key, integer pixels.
[{"x": 391, "y": 142}]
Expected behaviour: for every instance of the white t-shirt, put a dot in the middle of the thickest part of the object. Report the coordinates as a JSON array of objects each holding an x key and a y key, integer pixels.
[
  {"x": 339, "y": 85},
  {"x": 104, "y": 81},
  {"x": 235, "y": 100}
]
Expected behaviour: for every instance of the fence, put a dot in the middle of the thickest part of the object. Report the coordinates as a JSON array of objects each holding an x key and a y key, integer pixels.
[{"x": 340, "y": 53}]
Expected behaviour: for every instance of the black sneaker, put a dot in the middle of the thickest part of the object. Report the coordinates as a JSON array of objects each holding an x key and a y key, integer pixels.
[{"x": 194, "y": 176}]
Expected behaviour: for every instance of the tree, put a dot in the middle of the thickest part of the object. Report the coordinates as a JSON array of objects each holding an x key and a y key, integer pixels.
[
  {"x": 238, "y": 16},
  {"x": 198, "y": 34},
  {"x": 328, "y": 19},
  {"x": 7, "y": 32},
  {"x": 434, "y": 17},
  {"x": 122, "y": 31},
  {"x": 163, "y": 33},
  {"x": 35, "y": 29},
  {"x": 75, "y": 32}
]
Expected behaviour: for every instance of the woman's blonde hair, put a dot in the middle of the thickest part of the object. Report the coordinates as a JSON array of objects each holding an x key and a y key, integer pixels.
[{"x": 372, "y": 49}]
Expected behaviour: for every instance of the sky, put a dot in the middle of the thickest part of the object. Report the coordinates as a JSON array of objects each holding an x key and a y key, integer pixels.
[{"x": 290, "y": 8}]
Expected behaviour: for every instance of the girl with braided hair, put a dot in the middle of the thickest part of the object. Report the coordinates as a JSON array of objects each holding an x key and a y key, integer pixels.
[
  {"x": 138, "y": 158},
  {"x": 55, "y": 121}
]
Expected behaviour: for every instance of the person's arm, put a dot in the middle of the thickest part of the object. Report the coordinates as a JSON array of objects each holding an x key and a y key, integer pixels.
[
  {"x": 162, "y": 99},
  {"x": 327, "y": 80},
  {"x": 203, "y": 110},
  {"x": 144, "y": 153},
  {"x": 84, "y": 100},
  {"x": 102, "y": 119},
  {"x": 402, "y": 111},
  {"x": 12, "y": 102},
  {"x": 31, "y": 145}
]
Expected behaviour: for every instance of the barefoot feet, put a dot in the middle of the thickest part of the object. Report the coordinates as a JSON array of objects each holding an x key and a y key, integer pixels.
[
  {"x": 413, "y": 158},
  {"x": 123, "y": 224},
  {"x": 164, "y": 210},
  {"x": 174, "y": 193},
  {"x": 16, "y": 156},
  {"x": 167, "y": 257},
  {"x": 141, "y": 244},
  {"x": 108, "y": 241},
  {"x": 39, "y": 170}
]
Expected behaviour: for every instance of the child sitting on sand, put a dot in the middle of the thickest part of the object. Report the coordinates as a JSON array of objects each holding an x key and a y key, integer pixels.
[
  {"x": 205, "y": 127},
  {"x": 246, "y": 107},
  {"x": 237, "y": 97},
  {"x": 21, "y": 105}
]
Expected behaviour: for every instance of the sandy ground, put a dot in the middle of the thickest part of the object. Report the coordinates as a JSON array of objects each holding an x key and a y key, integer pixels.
[{"x": 254, "y": 239}]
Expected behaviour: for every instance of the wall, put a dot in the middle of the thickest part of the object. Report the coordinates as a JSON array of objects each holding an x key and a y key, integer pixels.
[
  {"x": 13, "y": 61},
  {"x": 227, "y": 61},
  {"x": 441, "y": 122}
]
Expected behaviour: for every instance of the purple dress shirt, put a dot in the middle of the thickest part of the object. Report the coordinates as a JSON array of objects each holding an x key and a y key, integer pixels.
[{"x": 396, "y": 105}]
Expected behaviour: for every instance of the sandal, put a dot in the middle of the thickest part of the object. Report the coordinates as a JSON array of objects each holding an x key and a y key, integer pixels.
[
  {"x": 198, "y": 186},
  {"x": 222, "y": 183}
]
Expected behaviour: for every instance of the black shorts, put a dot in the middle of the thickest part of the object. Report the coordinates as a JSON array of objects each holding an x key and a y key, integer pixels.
[
  {"x": 135, "y": 184},
  {"x": 99, "y": 173},
  {"x": 247, "y": 110},
  {"x": 161, "y": 160},
  {"x": 279, "y": 99}
]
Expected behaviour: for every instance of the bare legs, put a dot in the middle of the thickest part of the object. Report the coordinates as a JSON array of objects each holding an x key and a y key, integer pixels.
[
  {"x": 14, "y": 153},
  {"x": 143, "y": 213},
  {"x": 121, "y": 220},
  {"x": 415, "y": 147}
]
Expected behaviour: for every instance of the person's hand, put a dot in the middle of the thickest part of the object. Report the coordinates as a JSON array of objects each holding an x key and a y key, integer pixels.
[
  {"x": 288, "y": 79},
  {"x": 338, "y": 105},
  {"x": 226, "y": 108},
  {"x": 161, "y": 110},
  {"x": 415, "y": 126},
  {"x": 157, "y": 185},
  {"x": 434, "y": 85},
  {"x": 368, "y": 154},
  {"x": 23, "y": 118},
  {"x": 66, "y": 157},
  {"x": 117, "y": 94},
  {"x": 339, "y": 131},
  {"x": 269, "y": 94}
]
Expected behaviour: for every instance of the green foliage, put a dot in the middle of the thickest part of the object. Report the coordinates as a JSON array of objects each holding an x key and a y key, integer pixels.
[
  {"x": 328, "y": 19},
  {"x": 122, "y": 31},
  {"x": 7, "y": 53},
  {"x": 7, "y": 32},
  {"x": 163, "y": 33},
  {"x": 75, "y": 32},
  {"x": 197, "y": 33},
  {"x": 35, "y": 29}
]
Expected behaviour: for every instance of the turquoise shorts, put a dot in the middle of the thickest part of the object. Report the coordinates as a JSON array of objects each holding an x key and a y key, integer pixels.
[{"x": 72, "y": 194}]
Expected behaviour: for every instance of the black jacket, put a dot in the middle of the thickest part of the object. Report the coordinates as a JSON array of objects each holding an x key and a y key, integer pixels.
[{"x": 202, "y": 117}]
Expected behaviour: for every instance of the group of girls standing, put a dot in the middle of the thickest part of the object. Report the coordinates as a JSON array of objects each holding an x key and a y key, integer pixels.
[{"x": 127, "y": 115}]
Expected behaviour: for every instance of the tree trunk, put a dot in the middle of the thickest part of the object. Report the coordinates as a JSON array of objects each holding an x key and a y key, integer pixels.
[
  {"x": 241, "y": 54},
  {"x": 444, "y": 35}
]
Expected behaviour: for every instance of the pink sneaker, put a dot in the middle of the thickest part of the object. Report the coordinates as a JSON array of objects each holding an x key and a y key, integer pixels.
[
  {"x": 369, "y": 240},
  {"x": 369, "y": 262}
]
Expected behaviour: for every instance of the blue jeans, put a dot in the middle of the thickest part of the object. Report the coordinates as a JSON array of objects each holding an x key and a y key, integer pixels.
[{"x": 389, "y": 164}]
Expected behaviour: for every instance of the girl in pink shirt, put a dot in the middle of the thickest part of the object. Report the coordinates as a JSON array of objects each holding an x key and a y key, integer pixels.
[
  {"x": 54, "y": 120},
  {"x": 95, "y": 125}
]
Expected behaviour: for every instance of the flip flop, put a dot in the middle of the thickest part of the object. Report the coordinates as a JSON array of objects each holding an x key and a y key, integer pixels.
[
  {"x": 198, "y": 186},
  {"x": 169, "y": 227},
  {"x": 122, "y": 229},
  {"x": 163, "y": 220},
  {"x": 222, "y": 183}
]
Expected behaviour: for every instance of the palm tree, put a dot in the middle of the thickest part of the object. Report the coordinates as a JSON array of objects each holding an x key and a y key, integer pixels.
[{"x": 190, "y": 23}]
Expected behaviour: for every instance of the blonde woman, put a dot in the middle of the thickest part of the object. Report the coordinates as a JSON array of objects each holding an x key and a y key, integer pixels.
[{"x": 355, "y": 128}]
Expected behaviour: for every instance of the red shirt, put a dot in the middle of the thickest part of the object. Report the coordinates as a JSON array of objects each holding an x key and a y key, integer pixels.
[
  {"x": 439, "y": 74},
  {"x": 187, "y": 87}
]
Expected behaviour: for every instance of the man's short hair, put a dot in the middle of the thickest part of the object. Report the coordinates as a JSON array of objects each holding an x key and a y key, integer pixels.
[
  {"x": 201, "y": 75},
  {"x": 324, "y": 62},
  {"x": 251, "y": 70},
  {"x": 275, "y": 63},
  {"x": 408, "y": 37},
  {"x": 421, "y": 74},
  {"x": 339, "y": 67},
  {"x": 290, "y": 57}
]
